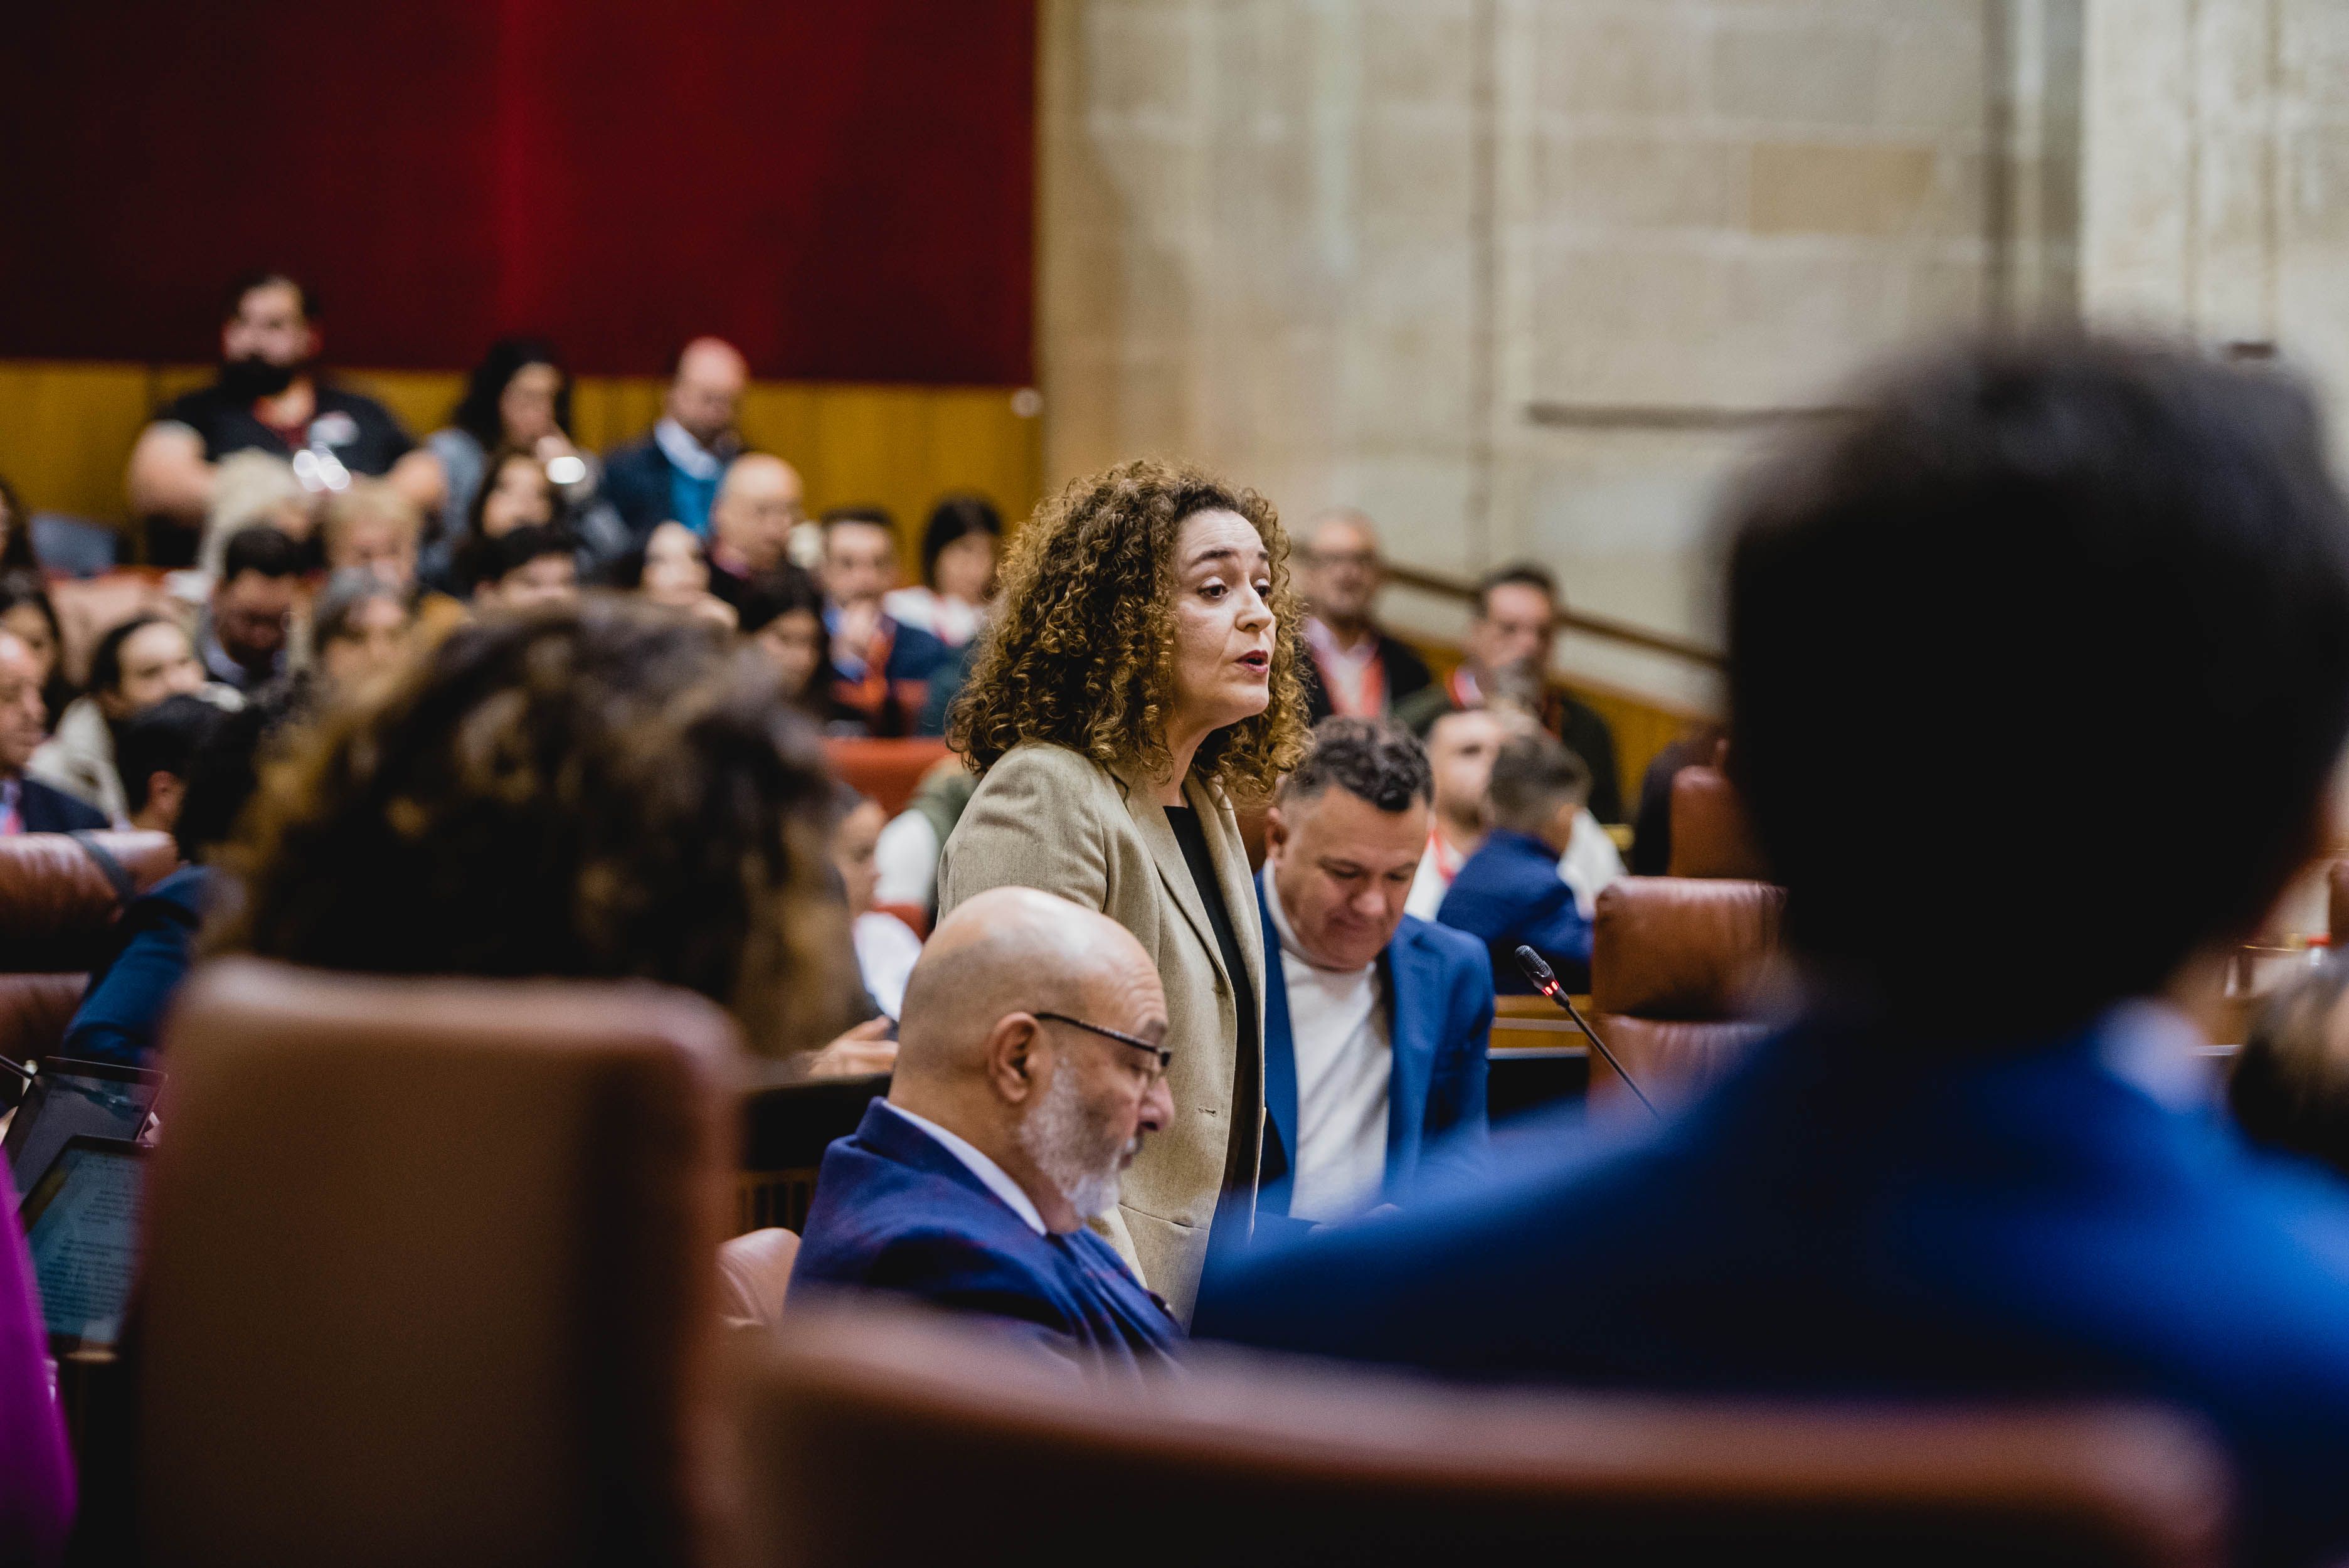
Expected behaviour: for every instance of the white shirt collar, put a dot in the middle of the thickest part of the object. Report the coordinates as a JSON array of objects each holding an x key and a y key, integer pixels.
[
  {"x": 2157, "y": 1048},
  {"x": 978, "y": 1165},
  {"x": 1288, "y": 943},
  {"x": 680, "y": 448}
]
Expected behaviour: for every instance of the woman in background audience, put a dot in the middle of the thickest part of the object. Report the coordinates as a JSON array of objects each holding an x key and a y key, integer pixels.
[
  {"x": 373, "y": 528},
  {"x": 515, "y": 493},
  {"x": 358, "y": 630},
  {"x": 1140, "y": 676},
  {"x": 26, "y": 611},
  {"x": 252, "y": 489},
  {"x": 671, "y": 568},
  {"x": 782, "y": 616},
  {"x": 959, "y": 551},
  {"x": 887, "y": 947},
  {"x": 518, "y": 397},
  {"x": 16, "y": 531},
  {"x": 602, "y": 791},
  {"x": 134, "y": 666}
]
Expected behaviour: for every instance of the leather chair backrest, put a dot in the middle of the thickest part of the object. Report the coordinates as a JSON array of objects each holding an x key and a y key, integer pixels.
[
  {"x": 1677, "y": 968},
  {"x": 428, "y": 1274},
  {"x": 754, "y": 1275},
  {"x": 56, "y": 905},
  {"x": 1712, "y": 835},
  {"x": 888, "y": 771},
  {"x": 2336, "y": 881},
  {"x": 1264, "y": 1461},
  {"x": 35, "y": 1010}
]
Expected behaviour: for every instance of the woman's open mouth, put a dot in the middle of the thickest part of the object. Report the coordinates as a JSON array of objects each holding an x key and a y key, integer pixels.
[{"x": 1259, "y": 663}]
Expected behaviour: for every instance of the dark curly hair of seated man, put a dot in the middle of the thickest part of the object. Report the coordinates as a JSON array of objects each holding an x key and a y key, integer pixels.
[{"x": 593, "y": 791}]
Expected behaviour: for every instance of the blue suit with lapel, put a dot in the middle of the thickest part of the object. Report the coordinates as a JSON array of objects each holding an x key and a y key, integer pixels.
[
  {"x": 1439, "y": 1008},
  {"x": 1856, "y": 1213},
  {"x": 894, "y": 1211}
]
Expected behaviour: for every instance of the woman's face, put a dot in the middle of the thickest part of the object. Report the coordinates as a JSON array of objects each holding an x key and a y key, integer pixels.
[
  {"x": 794, "y": 641},
  {"x": 27, "y": 622},
  {"x": 372, "y": 641},
  {"x": 1223, "y": 626},
  {"x": 158, "y": 661},
  {"x": 526, "y": 408},
  {"x": 519, "y": 497},
  {"x": 675, "y": 573},
  {"x": 378, "y": 545},
  {"x": 966, "y": 569}
]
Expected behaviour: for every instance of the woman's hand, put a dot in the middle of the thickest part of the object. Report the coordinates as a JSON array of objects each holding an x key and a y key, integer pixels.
[{"x": 862, "y": 1051}]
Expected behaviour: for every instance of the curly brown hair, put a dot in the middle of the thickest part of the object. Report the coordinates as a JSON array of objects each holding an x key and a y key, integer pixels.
[
  {"x": 1081, "y": 651},
  {"x": 597, "y": 791}
]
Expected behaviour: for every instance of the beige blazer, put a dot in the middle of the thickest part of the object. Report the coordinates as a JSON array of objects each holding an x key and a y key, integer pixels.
[{"x": 1046, "y": 817}]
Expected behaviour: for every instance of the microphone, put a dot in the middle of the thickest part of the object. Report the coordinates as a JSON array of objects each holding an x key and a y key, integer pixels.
[{"x": 1546, "y": 982}]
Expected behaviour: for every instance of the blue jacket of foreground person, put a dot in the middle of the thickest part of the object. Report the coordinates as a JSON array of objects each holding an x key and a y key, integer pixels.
[
  {"x": 1849, "y": 1215},
  {"x": 896, "y": 1212}
]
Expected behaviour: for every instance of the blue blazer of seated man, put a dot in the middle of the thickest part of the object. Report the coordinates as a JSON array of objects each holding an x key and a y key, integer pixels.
[
  {"x": 1029, "y": 1071},
  {"x": 1375, "y": 1023},
  {"x": 1509, "y": 893}
]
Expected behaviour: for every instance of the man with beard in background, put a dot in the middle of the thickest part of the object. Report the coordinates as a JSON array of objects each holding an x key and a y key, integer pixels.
[
  {"x": 271, "y": 397},
  {"x": 1029, "y": 1069}
]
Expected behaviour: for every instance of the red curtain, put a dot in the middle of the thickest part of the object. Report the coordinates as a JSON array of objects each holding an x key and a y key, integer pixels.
[{"x": 843, "y": 187}]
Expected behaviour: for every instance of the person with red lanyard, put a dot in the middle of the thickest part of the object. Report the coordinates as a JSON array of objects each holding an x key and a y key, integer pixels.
[
  {"x": 880, "y": 670},
  {"x": 27, "y": 805},
  {"x": 1355, "y": 668}
]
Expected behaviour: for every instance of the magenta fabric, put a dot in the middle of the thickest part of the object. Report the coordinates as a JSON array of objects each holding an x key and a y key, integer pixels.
[
  {"x": 36, "y": 1478},
  {"x": 844, "y": 190}
]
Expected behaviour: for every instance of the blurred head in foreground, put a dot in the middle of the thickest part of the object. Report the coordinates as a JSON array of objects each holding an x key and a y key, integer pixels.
[
  {"x": 2289, "y": 1086},
  {"x": 595, "y": 790},
  {"x": 2073, "y": 557},
  {"x": 1061, "y": 1105}
]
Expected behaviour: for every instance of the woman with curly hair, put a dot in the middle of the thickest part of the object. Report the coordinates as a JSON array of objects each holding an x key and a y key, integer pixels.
[{"x": 1140, "y": 676}]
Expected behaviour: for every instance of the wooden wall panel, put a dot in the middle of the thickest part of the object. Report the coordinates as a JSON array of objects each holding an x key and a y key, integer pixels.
[{"x": 65, "y": 432}]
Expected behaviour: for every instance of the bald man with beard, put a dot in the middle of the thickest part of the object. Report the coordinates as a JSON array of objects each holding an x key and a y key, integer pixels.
[{"x": 1029, "y": 1069}]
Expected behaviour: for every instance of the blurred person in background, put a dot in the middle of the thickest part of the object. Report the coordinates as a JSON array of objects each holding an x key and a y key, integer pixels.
[
  {"x": 518, "y": 397},
  {"x": 1508, "y": 894},
  {"x": 959, "y": 545},
  {"x": 16, "y": 531},
  {"x": 156, "y": 756},
  {"x": 243, "y": 635},
  {"x": 1928, "y": 1187},
  {"x": 782, "y": 616},
  {"x": 273, "y": 398},
  {"x": 1375, "y": 1023},
  {"x": 27, "y": 805},
  {"x": 1031, "y": 1075},
  {"x": 672, "y": 470},
  {"x": 880, "y": 670},
  {"x": 671, "y": 826},
  {"x": 1460, "y": 745},
  {"x": 758, "y": 504},
  {"x": 906, "y": 857},
  {"x": 1515, "y": 625},
  {"x": 252, "y": 489},
  {"x": 1138, "y": 681},
  {"x": 522, "y": 570},
  {"x": 27, "y": 612},
  {"x": 670, "y": 568},
  {"x": 359, "y": 631},
  {"x": 1355, "y": 668},
  {"x": 373, "y": 529},
  {"x": 153, "y": 943},
  {"x": 136, "y": 664},
  {"x": 886, "y": 947}
]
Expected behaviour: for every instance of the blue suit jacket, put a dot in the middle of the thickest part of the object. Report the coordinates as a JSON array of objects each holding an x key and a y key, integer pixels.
[
  {"x": 48, "y": 809},
  {"x": 154, "y": 943},
  {"x": 894, "y": 1211},
  {"x": 1439, "y": 994},
  {"x": 1508, "y": 893},
  {"x": 1848, "y": 1215}
]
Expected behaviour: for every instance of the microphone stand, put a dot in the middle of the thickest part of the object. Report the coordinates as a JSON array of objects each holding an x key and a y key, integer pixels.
[{"x": 1545, "y": 981}]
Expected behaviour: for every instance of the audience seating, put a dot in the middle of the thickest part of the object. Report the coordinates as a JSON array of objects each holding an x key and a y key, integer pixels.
[
  {"x": 428, "y": 1271},
  {"x": 89, "y": 608},
  {"x": 1712, "y": 835},
  {"x": 1256, "y": 1461},
  {"x": 56, "y": 903},
  {"x": 889, "y": 771},
  {"x": 34, "y": 1012},
  {"x": 754, "y": 1274},
  {"x": 1678, "y": 970},
  {"x": 787, "y": 1121}
]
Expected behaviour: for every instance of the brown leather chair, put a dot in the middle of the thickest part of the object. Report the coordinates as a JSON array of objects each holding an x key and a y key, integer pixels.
[
  {"x": 754, "y": 1275},
  {"x": 58, "y": 903},
  {"x": 428, "y": 1271},
  {"x": 35, "y": 1010},
  {"x": 1679, "y": 972},
  {"x": 888, "y": 771},
  {"x": 1712, "y": 835},
  {"x": 1260, "y": 1461}
]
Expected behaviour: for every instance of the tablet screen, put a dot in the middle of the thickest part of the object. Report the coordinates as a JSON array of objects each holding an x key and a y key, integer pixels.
[
  {"x": 64, "y": 1103},
  {"x": 81, "y": 1226}
]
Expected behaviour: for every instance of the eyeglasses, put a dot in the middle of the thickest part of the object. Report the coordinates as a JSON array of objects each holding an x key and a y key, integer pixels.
[{"x": 1165, "y": 1059}]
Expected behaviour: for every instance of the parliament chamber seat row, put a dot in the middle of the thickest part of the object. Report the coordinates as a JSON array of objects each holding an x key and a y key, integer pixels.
[{"x": 60, "y": 896}]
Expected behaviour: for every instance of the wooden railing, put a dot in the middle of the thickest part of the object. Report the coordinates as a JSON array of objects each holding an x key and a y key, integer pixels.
[{"x": 1572, "y": 619}]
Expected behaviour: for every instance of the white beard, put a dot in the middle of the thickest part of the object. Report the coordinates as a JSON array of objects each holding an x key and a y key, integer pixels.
[{"x": 1065, "y": 1143}]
